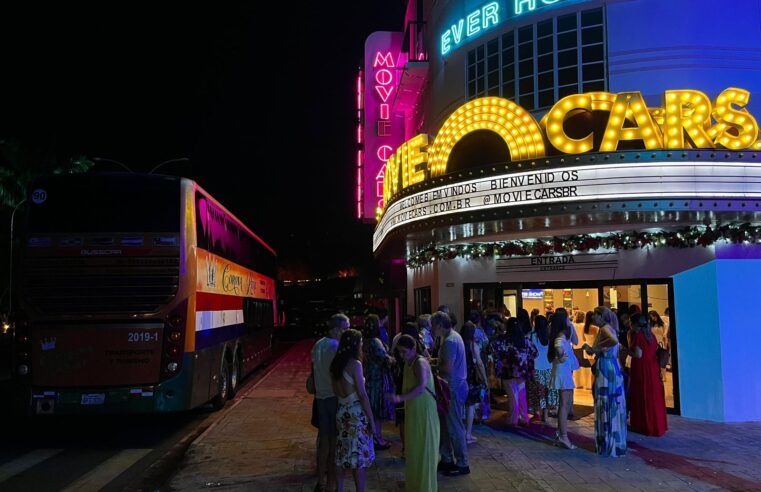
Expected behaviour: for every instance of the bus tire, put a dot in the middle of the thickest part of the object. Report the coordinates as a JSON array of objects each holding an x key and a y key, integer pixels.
[
  {"x": 235, "y": 376},
  {"x": 223, "y": 385}
]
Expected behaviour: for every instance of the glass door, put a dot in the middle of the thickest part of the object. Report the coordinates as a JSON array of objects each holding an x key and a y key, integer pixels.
[
  {"x": 659, "y": 314},
  {"x": 510, "y": 301}
]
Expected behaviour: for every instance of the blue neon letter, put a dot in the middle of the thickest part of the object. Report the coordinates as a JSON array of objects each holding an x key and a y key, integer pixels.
[
  {"x": 457, "y": 32},
  {"x": 530, "y": 5},
  {"x": 490, "y": 14},
  {"x": 473, "y": 22},
  {"x": 445, "y": 43}
]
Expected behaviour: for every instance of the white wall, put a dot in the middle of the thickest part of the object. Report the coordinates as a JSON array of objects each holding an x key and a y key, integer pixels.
[
  {"x": 699, "y": 348},
  {"x": 738, "y": 284}
]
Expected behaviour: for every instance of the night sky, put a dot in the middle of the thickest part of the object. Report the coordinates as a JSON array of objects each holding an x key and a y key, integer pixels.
[{"x": 142, "y": 84}]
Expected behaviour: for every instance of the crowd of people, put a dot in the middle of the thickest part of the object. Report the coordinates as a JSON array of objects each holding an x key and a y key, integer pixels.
[{"x": 435, "y": 378}]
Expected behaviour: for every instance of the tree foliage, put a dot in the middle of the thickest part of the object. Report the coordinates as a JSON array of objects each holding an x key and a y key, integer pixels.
[{"x": 20, "y": 164}]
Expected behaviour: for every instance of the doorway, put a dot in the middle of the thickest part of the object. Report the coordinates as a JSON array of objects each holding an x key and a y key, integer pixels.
[{"x": 579, "y": 298}]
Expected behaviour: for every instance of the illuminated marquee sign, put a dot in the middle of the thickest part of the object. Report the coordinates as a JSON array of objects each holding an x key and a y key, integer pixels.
[
  {"x": 470, "y": 26},
  {"x": 684, "y": 121},
  {"x": 383, "y": 130},
  {"x": 689, "y": 180}
]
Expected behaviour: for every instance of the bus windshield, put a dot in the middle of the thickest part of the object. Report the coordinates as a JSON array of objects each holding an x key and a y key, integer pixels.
[{"x": 104, "y": 203}]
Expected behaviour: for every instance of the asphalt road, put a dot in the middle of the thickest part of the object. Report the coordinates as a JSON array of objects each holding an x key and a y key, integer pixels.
[{"x": 109, "y": 453}]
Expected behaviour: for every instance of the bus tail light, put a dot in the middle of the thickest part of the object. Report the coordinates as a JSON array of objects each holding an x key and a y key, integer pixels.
[
  {"x": 174, "y": 334},
  {"x": 22, "y": 348}
]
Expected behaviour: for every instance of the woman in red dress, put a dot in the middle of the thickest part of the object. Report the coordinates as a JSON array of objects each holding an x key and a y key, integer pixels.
[{"x": 647, "y": 402}]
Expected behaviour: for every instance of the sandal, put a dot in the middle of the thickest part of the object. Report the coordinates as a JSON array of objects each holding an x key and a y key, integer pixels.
[
  {"x": 378, "y": 445},
  {"x": 565, "y": 443}
]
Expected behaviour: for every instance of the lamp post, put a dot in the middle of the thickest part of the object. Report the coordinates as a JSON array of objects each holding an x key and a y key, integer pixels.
[
  {"x": 101, "y": 159},
  {"x": 179, "y": 159},
  {"x": 10, "y": 264}
]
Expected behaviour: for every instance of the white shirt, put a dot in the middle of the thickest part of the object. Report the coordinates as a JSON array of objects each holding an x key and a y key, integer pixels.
[{"x": 322, "y": 355}]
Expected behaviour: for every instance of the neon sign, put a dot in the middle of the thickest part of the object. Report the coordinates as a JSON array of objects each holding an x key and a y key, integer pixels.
[
  {"x": 684, "y": 121},
  {"x": 527, "y": 6},
  {"x": 384, "y": 86},
  {"x": 381, "y": 126},
  {"x": 470, "y": 26}
]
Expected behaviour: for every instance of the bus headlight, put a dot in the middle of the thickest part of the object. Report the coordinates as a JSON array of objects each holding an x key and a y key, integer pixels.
[
  {"x": 171, "y": 367},
  {"x": 22, "y": 370}
]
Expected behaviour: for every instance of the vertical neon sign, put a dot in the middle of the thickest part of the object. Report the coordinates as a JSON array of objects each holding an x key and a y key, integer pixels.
[
  {"x": 382, "y": 127},
  {"x": 360, "y": 162},
  {"x": 384, "y": 87}
]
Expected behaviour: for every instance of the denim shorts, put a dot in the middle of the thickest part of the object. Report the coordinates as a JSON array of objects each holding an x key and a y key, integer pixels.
[{"x": 327, "y": 408}]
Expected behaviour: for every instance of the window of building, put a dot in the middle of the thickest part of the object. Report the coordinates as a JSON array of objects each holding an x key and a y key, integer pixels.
[
  {"x": 423, "y": 301},
  {"x": 538, "y": 64}
]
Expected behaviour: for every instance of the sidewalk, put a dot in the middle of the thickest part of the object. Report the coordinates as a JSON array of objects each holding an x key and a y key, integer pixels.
[{"x": 265, "y": 442}]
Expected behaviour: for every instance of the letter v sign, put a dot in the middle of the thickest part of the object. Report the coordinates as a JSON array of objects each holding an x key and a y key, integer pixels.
[
  {"x": 384, "y": 91},
  {"x": 457, "y": 32}
]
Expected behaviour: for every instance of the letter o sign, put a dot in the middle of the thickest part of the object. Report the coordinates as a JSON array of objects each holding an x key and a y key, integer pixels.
[{"x": 383, "y": 77}]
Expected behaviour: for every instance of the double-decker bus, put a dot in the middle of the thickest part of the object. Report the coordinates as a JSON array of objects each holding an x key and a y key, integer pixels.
[{"x": 137, "y": 294}]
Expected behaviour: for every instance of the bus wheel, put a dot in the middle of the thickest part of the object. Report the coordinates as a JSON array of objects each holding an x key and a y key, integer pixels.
[
  {"x": 235, "y": 375},
  {"x": 223, "y": 385}
]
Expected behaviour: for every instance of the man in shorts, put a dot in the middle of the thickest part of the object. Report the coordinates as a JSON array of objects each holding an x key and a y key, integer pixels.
[{"x": 327, "y": 403}]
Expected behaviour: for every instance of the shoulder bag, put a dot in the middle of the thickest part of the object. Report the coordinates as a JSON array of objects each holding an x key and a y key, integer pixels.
[
  {"x": 442, "y": 396},
  {"x": 311, "y": 389}
]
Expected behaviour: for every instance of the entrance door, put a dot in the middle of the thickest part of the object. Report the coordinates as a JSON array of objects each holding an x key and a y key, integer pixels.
[{"x": 664, "y": 329}]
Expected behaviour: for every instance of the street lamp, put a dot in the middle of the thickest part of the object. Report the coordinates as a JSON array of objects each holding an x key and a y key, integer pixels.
[
  {"x": 179, "y": 159},
  {"x": 10, "y": 265},
  {"x": 101, "y": 159}
]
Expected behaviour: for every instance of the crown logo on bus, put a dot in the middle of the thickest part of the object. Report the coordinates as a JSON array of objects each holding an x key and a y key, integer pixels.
[{"x": 47, "y": 343}]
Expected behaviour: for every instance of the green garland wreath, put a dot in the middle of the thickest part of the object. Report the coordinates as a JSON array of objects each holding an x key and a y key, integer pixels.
[{"x": 683, "y": 238}]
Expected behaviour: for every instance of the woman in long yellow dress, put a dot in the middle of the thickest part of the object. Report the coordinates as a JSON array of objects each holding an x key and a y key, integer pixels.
[{"x": 421, "y": 422}]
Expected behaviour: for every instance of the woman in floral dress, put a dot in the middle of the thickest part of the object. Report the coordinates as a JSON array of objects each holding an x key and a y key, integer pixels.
[
  {"x": 515, "y": 365},
  {"x": 354, "y": 419}
]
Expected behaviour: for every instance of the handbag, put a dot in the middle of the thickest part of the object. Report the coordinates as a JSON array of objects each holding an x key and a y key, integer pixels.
[
  {"x": 442, "y": 395},
  {"x": 315, "y": 421},
  {"x": 311, "y": 388},
  {"x": 663, "y": 356}
]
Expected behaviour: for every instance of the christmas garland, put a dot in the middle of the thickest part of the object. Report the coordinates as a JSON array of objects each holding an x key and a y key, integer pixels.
[{"x": 684, "y": 238}]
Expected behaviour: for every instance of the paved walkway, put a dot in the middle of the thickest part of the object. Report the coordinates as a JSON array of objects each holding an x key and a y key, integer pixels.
[{"x": 265, "y": 442}]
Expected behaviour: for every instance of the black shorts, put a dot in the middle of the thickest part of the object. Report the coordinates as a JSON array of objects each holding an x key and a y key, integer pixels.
[{"x": 327, "y": 408}]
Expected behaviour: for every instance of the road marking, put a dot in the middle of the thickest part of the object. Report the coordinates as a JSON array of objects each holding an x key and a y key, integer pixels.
[
  {"x": 100, "y": 476},
  {"x": 25, "y": 462}
]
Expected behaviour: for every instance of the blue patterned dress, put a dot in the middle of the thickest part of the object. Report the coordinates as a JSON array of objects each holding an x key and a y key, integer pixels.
[
  {"x": 610, "y": 405},
  {"x": 379, "y": 379}
]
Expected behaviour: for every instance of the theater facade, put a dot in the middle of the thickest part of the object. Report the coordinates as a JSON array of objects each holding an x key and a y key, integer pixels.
[{"x": 546, "y": 153}]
